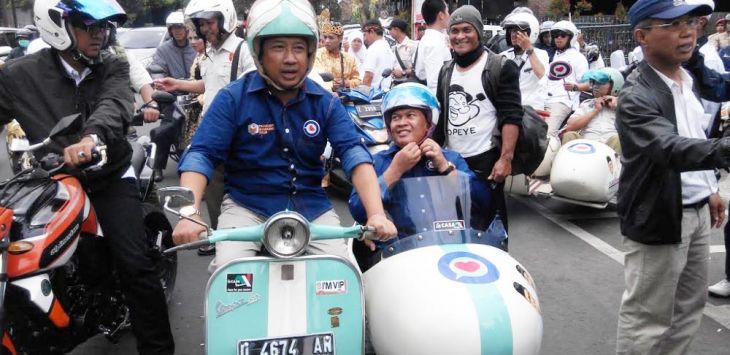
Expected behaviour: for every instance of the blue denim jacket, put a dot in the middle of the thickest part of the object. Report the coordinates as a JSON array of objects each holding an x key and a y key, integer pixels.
[{"x": 272, "y": 151}]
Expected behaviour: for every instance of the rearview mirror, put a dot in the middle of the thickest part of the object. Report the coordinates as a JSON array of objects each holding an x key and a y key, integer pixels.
[
  {"x": 387, "y": 72},
  {"x": 175, "y": 197},
  {"x": 163, "y": 97},
  {"x": 67, "y": 125}
]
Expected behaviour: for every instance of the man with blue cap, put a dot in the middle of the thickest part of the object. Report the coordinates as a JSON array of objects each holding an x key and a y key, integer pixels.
[{"x": 668, "y": 197}]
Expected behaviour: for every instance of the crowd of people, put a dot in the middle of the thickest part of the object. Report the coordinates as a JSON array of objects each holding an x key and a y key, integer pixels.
[{"x": 265, "y": 117}]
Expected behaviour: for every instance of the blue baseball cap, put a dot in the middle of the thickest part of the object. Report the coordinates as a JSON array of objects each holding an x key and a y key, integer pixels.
[{"x": 664, "y": 10}]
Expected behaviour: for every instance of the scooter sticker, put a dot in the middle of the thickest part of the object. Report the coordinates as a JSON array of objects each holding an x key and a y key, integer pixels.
[
  {"x": 456, "y": 224},
  {"x": 239, "y": 282},
  {"x": 582, "y": 148},
  {"x": 222, "y": 309},
  {"x": 311, "y": 128},
  {"x": 468, "y": 268},
  {"x": 331, "y": 287}
]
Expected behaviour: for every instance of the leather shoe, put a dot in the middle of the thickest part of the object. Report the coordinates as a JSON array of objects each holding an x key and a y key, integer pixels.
[
  {"x": 159, "y": 175},
  {"x": 206, "y": 250}
]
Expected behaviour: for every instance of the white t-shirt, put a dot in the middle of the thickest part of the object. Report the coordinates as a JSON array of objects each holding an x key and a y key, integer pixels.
[
  {"x": 472, "y": 117},
  {"x": 602, "y": 126},
  {"x": 432, "y": 51},
  {"x": 578, "y": 66},
  {"x": 532, "y": 88},
  {"x": 379, "y": 58}
]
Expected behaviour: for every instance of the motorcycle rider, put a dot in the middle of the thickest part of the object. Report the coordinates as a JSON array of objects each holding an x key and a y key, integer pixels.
[
  {"x": 175, "y": 56},
  {"x": 521, "y": 32},
  {"x": 544, "y": 41},
  {"x": 562, "y": 93},
  {"x": 269, "y": 129},
  {"x": 215, "y": 22},
  {"x": 24, "y": 36},
  {"x": 410, "y": 111},
  {"x": 76, "y": 76}
]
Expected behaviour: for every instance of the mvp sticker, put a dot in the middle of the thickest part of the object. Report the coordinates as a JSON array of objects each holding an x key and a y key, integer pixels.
[{"x": 332, "y": 287}]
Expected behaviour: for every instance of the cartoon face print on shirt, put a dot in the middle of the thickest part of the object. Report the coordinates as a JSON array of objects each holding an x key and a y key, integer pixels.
[{"x": 462, "y": 107}]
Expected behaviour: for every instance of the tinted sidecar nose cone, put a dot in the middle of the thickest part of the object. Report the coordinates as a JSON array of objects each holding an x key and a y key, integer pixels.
[{"x": 286, "y": 234}]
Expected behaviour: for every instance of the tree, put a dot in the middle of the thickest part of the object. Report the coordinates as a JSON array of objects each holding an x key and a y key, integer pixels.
[
  {"x": 582, "y": 6},
  {"x": 620, "y": 12},
  {"x": 558, "y": 8}
]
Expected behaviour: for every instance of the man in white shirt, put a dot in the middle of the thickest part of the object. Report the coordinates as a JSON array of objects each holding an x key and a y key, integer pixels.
[
  {"x": 403, "y": 50},
  {"x": 379, "y": 56},
  {"x": 522, "y": 30},
  {"x": 563, "y": 95},
  {"x": 433, "y": 49}
]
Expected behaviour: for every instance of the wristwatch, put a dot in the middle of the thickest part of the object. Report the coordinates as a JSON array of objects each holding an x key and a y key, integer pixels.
[
  {"x": 152, "y": 104},
  {"x": 530, "y": 51},
  {"x": 449, "y": 169},
  {"x": 189, "y": 211}
]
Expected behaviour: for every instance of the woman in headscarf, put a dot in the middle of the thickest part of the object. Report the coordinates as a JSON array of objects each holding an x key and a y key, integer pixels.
[{"x": 357, "y": 49}]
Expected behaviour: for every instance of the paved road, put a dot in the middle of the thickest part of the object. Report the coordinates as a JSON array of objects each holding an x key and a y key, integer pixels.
[{"x": 573, "y": 253}]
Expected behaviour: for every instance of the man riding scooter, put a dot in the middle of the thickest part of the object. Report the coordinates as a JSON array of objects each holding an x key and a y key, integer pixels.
[{"x": 269, "y": 129}]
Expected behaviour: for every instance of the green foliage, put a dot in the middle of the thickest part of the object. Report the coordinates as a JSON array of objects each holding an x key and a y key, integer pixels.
[
  {"x": 558, "y": 8},
  {"x": 620, "y": 12},
  {"x": 581, "y": 6}
]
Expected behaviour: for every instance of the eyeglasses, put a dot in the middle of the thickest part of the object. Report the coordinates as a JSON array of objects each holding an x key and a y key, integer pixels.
[
  {"x": 95, "y": 28},
  {"x": 675, "y": 25}
]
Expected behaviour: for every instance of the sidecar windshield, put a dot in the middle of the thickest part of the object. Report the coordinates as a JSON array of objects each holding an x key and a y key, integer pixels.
[{"x": 438, "y": 210}]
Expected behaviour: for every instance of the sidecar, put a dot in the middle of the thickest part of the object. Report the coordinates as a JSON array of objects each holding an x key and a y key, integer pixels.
[{"x": 446, "y": 288}]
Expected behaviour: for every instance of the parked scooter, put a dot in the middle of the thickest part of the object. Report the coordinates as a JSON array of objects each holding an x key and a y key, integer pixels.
[
  {"x": 283, "y": 304},
  {"x": 363, "y": 106},
  {"x": 53, "y": 295},
  {"x": 444, "y": 289}
]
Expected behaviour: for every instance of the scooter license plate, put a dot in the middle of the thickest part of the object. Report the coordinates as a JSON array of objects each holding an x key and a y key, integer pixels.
[
  {"x": 368, "y": 111},
  {"x": 323, "y": 343}
]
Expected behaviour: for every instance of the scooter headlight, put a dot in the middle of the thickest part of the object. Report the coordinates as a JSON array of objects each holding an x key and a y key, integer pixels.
[{"x": 286, "y": 234}]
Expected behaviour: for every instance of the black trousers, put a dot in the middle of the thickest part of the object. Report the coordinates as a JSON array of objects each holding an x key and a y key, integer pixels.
[
  {"x": 119, "y": 212},
  {"x": 164, "y": 136}
]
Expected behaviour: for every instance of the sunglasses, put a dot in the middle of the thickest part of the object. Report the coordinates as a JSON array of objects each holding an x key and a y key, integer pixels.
[
  {"x": 94, "y": 28},
  {"x": 558, "y": 34}
]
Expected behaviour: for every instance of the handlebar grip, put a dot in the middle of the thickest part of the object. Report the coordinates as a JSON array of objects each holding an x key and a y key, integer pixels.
[
  {"x": 368, "y": 232},
  {"x": 187, "y": 246}
]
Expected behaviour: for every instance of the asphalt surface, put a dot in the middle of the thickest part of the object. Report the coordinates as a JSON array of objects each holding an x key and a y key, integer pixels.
[{"x": 572, "y": 252}]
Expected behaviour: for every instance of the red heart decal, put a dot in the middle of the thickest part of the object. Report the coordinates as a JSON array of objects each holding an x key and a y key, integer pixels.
[{"x": 468, "y": 266}]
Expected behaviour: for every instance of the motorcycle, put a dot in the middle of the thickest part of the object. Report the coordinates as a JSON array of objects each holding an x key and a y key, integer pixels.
[
  {"x": 175, "y": 109},
  {"x": 363, "y": 106},
  {"x": 52, "y": 294},
  {"x": 445, "y": 288}
]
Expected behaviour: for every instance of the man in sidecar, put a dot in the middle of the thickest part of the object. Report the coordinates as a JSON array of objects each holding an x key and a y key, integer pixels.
[
  {"x": 595, "y": 119},
  {"x": 410, "y": 111},
  {"x": 269, "y": 129}
]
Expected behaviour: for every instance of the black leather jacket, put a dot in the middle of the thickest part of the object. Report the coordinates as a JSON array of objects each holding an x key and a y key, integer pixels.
[
  {"x": 654, "y": 155},
  {"x": 37, "y": 91}
]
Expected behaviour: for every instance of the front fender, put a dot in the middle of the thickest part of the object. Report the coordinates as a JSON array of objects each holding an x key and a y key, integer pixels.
[{"x": 8, "y": 347}]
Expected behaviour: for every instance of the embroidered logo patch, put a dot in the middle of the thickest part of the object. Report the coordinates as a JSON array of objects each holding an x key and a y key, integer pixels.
[
  {"x": 311, "y": 128},
  {"x": 260, "y": 129}
]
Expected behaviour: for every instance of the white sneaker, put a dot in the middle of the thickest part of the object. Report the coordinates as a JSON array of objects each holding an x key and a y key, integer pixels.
[{"x": 720, "y": 289}]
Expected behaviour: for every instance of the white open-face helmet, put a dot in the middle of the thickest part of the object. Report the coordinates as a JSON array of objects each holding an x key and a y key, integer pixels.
[
  {"x": 568, "y": 27},
  {"x": 209, "y": 9},
  {"x": 281, "y": 18},
  {"x": 175, "y": 18},
  {"x": 53, "y": 18},
  {"x": 523, "y": 20}
]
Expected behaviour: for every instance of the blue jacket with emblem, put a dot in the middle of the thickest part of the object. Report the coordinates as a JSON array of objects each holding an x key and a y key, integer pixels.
[
  {"x": 272, "y": 151},
  {"x": 402, "y": 219}
]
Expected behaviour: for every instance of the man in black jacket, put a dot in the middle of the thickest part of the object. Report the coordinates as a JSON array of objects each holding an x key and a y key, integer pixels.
[
  {"x": 472, "y": 112},
  {"x": 668, "y": 197},
  {"x": 75, "y": 76}
]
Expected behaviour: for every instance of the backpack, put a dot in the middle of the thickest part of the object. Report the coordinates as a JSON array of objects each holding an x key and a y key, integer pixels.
[{"x": 532, "y": 140}]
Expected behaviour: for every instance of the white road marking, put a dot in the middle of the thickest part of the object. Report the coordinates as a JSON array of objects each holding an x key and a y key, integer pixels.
[{"x": 720, "y": 314}]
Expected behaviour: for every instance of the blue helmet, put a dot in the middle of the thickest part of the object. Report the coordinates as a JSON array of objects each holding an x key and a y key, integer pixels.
[
  {"x": 603, "y": 76},
  {"x": 411, "y": 95}
]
